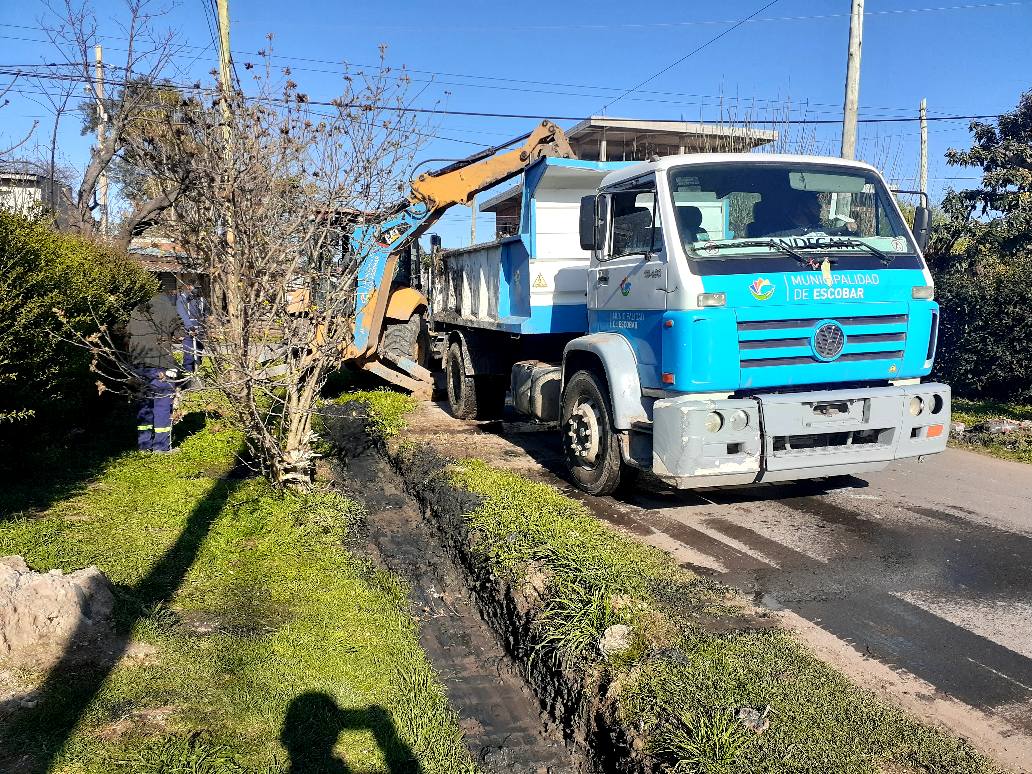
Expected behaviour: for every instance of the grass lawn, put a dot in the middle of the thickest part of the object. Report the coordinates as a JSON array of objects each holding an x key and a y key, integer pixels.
[
  {"x": 697, "y": 654},
  {"x": 251, "y": 636},
  {"x": 971, "y": 412}
]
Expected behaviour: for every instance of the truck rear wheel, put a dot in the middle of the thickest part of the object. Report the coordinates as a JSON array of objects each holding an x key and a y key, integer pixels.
[
  {"x": 590, "y": 445},
  {"x": 472, "y": 397}
]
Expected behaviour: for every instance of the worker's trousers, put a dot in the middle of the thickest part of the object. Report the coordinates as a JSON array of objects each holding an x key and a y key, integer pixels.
[
  {"x": 191, "y": 353},
  {"x": 154, "y": 411}
]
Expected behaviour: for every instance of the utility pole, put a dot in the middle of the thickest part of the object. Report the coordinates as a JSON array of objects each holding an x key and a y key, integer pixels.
[
  {"x": 923, "y": 169},
  {"x": 225, "y": 89},
  {"x": 852, "y": 99},
  {"x": 473, "y": 221},
  {"x": 102, "y": 120},
  {"x": 225, "y": 67}
]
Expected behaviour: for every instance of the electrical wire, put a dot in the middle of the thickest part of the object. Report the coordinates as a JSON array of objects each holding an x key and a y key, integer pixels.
[
  {"x": 524, "y": 82},
  {"x": 691, "y": 53},
  {"x": 775, "y": 121}
]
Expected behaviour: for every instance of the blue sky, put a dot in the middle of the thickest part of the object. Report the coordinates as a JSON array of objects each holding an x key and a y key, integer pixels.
[{"x": 965, "y": 56}]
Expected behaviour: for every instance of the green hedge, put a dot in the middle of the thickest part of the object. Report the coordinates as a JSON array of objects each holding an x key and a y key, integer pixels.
[
  {"x": 985, "y": 335},
  {"x": 45, "y": 381}
]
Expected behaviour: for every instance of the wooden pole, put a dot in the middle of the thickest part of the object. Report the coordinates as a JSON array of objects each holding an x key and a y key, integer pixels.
[
  {"x": 923, "y": 169},
  {"x": 225, "y": 89},
  {"x": 852, "y": 98},
  {"x": 102, "y": 120},
  {"x": 225, "y": 63}
]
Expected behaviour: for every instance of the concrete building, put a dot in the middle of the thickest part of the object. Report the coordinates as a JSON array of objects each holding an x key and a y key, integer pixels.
[
  {"x": 27, "y": 192},
  {"x": 601, "y": 138}
]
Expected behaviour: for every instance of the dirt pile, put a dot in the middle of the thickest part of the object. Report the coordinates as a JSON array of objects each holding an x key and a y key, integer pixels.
[{"x": 41, "y": 613}]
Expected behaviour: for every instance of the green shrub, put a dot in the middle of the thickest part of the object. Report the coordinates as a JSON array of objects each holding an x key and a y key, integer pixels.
[
  {"x": 985, "y": 333},
  {"x": 44, "y": 377}
]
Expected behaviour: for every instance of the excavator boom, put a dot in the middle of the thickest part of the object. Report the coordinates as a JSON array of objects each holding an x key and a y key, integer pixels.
[
  {"x": 458, "y": 183},
  {"x": 432, "y": 193}
]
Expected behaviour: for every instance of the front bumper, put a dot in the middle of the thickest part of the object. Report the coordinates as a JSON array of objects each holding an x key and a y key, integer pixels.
[{"x": 787, "y": 436}]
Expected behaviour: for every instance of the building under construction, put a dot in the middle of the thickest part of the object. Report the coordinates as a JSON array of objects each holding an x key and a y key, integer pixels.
[{"x": 601, "y": 138}]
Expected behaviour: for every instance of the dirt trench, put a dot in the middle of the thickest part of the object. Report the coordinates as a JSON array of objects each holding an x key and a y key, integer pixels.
[{"x": 504, "y": 723}]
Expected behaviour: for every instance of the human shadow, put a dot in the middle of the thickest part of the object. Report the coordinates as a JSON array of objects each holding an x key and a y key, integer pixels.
[
  {"x": 314, "y": 722},
  {"x": 42, "y": 722}
]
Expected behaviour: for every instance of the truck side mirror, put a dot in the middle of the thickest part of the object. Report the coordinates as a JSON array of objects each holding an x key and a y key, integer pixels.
[
  {"x": 594, "y": 214},
  {"x": 602, "y": 220},
  {"x": 588, "y": 232},
  {"x": 922, "y": 223}
]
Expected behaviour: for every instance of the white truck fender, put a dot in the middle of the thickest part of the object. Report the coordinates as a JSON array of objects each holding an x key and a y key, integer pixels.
[{"x": 621, "y": 372}]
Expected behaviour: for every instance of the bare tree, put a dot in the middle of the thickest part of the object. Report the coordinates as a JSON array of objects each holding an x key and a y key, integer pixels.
[
  {"x": 4, "y": 102},
  {"x": 278, "y": 188},
  {"x": 148, "y": 51}
]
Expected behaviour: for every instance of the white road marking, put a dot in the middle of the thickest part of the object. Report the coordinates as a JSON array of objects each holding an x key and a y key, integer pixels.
[{"x": 998, "y": 673}]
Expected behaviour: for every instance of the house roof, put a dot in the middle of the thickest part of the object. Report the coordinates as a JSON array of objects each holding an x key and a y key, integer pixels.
[
  {"x": 693, "y": 137},
  {"x": 159, "y": 255}
]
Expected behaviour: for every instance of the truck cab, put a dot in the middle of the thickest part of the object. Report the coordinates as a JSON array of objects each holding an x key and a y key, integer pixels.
[{"x": 738, "y": 318}]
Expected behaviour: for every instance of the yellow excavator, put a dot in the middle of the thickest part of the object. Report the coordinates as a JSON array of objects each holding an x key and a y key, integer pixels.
[{"x": 390, "y": 334}]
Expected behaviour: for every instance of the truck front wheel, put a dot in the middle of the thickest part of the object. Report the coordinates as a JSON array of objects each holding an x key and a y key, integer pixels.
[{"x": 590, "y": 445}]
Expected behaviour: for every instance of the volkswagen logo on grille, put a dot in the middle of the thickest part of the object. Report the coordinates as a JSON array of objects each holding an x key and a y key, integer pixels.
[{"x": 828, "y": 341}]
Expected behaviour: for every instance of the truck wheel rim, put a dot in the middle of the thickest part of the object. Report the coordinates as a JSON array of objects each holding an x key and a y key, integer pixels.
[{"x": 582, "y": 433}]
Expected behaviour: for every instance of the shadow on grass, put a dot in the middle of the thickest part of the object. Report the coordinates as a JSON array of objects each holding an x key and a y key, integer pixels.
[
  {"x": 34, "y": 476},
  {"x": 191, "y": 423},
  {"x": 313, "y": 724},
  {"x": 347, "y": 379},
  {"x": 35, "y": 473},
  {"x": 32, "y": 736}
]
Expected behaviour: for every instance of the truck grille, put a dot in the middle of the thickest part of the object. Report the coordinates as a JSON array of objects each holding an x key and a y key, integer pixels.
[{"x": 766, "y": 343}]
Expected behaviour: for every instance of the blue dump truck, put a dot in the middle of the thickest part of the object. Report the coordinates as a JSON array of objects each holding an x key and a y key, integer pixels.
[{"x": 713, "y": 319}]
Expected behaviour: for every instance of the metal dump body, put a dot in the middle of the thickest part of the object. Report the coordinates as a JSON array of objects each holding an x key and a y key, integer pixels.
[{"x": 534, "y": 282}]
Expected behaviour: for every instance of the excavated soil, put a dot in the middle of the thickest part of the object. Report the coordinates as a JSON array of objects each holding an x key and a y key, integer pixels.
[{"x": 504, "y": 723}]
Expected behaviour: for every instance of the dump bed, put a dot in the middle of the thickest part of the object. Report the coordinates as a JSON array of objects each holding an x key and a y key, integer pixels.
[{"x": 536, "y": 281}]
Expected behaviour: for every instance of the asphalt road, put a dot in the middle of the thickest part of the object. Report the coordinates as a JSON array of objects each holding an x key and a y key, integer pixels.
[{"x": 916, "y": 580}]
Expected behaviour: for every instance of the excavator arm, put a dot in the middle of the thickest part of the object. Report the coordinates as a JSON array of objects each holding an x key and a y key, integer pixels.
[
  {"x": 431, "y": 194},
  {"x": 458, "y": 183}
]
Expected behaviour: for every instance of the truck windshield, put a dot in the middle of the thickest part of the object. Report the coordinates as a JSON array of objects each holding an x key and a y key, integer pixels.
[{"x": 741, "y": 209}]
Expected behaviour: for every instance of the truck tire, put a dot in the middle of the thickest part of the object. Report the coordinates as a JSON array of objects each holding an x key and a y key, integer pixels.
[
  {"x": 590, "y": 445},
  {"x": 408, "y": 339},
  {"x": 472, "y": 397}
]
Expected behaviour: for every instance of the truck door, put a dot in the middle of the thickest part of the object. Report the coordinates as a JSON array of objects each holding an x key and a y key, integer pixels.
[{"x": 627, "y": 283}]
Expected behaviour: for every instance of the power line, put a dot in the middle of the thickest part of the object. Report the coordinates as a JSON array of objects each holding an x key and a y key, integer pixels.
[
  {"x": 161, "y": 106},
  {"x": 471, "y": 76},
  {"x": 691, "y": 53},
  {"x": 694, "y": 22},
  {"x": 206, "y": 9},
  {"x": 528, "y": 116}
]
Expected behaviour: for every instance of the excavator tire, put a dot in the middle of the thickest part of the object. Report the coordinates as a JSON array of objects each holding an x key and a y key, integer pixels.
[{"x": 407, "y": 339}]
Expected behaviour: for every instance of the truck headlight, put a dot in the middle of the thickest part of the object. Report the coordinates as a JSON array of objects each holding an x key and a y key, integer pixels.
[
  {"x": 916, "y": 406},
  {"x": 714, "y": 421},
  {"x": 739, "y": 420},
  {"x": 923, "y": 292}
]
